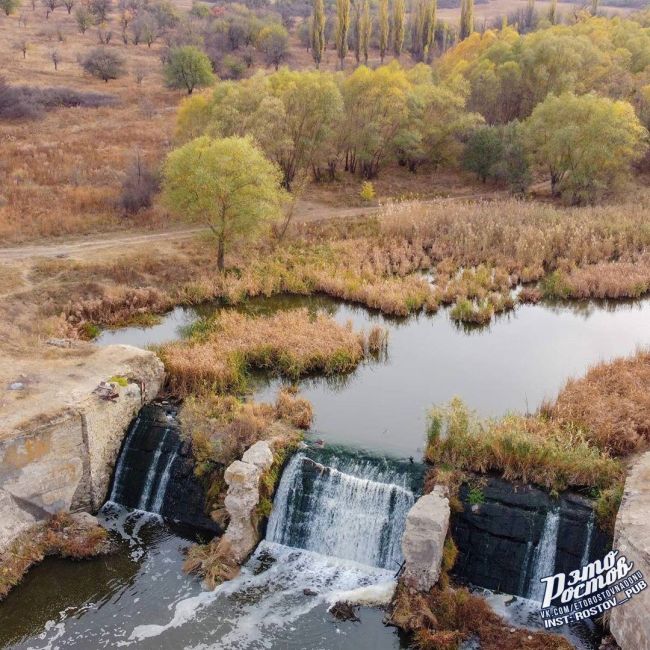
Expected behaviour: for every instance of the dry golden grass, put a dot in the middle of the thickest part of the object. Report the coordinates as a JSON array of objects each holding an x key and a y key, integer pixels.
[
  {"x": 445, "y": 617},
  {"x": 529, "y": 449},
  {"x": 222, "y": 427},
  {"x": 62, "y": 174},
  {"x": 61, "y": 535},
  {"x": 293, "y": 344},
  {"x": 611, "y": 403}
]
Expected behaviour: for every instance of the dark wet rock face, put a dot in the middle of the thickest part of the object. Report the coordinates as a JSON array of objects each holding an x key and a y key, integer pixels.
[
  {"x": 155, "y": 471},
  {"x": 503, "y": 525}
]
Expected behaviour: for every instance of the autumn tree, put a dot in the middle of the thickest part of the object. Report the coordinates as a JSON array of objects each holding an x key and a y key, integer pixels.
[
  {"x": 342, "y": 28},
  {"x": 226, "y": 184},
  {"x": 83, "y": 18},
  {"x": 384, "y": 29},
  {"x": 423, "y": 28},
  {"x": 398, "y": 27},
  {"x": 188, "y": 68},
  {"x": 585, "y": 143},
  {"x": 317, "y": 38},
  {"x": 273, "y": 42},
  {"x": 466, "y": 18},
  {"x": 365, "y": 30}
]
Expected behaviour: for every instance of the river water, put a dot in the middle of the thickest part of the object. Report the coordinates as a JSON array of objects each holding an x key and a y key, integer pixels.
[{"x": 139, "y": 597}]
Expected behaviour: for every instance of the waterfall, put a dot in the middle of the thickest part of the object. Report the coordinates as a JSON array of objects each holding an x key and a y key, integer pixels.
[
  {"x": 119, "y": 469},
  {"x": 544, "y": 563},
  {"x": 152, "y": 474},
  {"x": 162, "y": 484},
  {"x": 590, "y": 531},
  {"x": 354, "y": 511}
]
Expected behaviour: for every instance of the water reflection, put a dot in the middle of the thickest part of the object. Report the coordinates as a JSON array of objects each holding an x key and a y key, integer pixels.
[{"x": 512, "y": 364}]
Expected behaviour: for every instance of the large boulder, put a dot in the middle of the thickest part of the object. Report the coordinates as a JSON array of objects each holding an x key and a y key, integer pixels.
[
  {"x": 424, "y": 539},
  {"x": 630, "y": 623},
  {"x": 60, "y": 455}
]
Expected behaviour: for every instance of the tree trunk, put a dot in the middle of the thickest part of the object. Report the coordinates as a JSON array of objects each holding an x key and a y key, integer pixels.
[{"x": 221, "y": 251}]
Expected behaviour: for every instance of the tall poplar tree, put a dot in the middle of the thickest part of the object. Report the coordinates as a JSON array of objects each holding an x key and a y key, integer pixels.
[
  {"x": 365, "y": 29},
  {"x": 398, "y": 27},
  {"x": 318, "y": 32},
  {"x": 342, "y": 28},
  {"x": 384, "y": 29},
  {"x": 466, "y": 18}
]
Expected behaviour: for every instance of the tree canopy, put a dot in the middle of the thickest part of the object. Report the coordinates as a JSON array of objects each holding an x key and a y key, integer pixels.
[
  {"x": 587, "y": 143},
  {"x": 227, "y": 184},
  {"x": 188, "y": 68}
]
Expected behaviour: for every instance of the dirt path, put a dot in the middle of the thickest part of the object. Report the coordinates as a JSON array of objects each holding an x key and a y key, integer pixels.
[{"x": 306, "y": 211}]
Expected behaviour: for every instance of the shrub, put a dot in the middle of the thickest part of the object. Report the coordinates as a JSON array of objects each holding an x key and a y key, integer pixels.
[
  {"x": 139, "y": 187},
  {"x": 103, "y": 64},
  {"x": 28, "y": 102},
  {"x": 367, "y": 192}
]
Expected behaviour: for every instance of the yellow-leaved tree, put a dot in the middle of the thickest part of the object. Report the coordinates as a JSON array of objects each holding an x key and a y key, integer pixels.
[
  {"x": 586, "y": 143},
  {"x": 226, "y": 184}
]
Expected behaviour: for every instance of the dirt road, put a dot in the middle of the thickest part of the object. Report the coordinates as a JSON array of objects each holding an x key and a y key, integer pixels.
[{"x": 305, "y": 211}]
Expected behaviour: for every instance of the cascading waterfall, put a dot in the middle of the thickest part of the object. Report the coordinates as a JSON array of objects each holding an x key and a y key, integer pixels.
[
  {"x": 590, "y": 531},
  {"x": 145, "y": 464},
  {"x": 152, "y": 474},
  {"x": 336, "y": 513},
  {"x": 544, "y": 563}
]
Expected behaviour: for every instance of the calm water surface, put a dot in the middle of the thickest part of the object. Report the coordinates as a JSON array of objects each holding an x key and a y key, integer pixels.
[{"x": 513, "y": 364}]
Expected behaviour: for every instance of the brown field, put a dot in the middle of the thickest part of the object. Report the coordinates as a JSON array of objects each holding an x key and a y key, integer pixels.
[{"x": 495, "y": 9}]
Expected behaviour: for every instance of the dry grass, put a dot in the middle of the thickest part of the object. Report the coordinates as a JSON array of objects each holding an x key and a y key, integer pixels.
[
  {"x": 221, "y": 428},
  {"x": 292, "y": 344},
  {"x": 445, "y": 617},
  {"x": 611, "y": 404},
  {"x": 474, "y": 254},
  {"x": 530, "y": 449},
  {"x": 61, "y": 535}
]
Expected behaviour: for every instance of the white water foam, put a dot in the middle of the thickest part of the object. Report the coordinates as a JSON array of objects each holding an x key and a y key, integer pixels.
[{"x": 260, "y": 605}]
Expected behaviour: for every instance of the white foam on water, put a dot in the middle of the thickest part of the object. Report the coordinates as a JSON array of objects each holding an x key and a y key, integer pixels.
[{"x": 260, "y": 603}]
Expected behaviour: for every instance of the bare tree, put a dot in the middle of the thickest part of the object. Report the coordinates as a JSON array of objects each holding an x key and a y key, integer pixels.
[
  {"x": 23, "y": 46},
  {"x": 100, "y": 9},
  {"x": 56, "y": 58},
  {"x": 104, "y": 35},
  {"x": 140, "y": 73},
  {"x": 68, "y": 4},
  {"x": 22, "y": 19},
  {"x": 50, "y": 6}
]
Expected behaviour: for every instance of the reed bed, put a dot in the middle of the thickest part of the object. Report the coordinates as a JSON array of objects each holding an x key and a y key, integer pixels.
[
  {"x": 472, "y": 253},
  {"x": 611, "y": 405},
  {"x": 292, "y": 344},
  {"x": 530, "y": 449}
]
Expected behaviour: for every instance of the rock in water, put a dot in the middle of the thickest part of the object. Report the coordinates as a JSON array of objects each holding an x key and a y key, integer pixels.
[
  {"x": 344, "y": 612},
  {"x": 243, "y": 479},
  {"x": 424, "y": 539}
]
